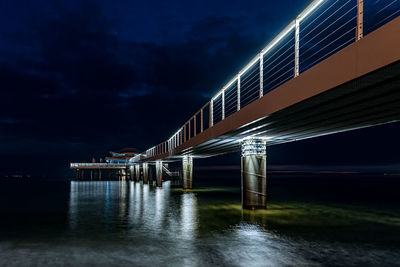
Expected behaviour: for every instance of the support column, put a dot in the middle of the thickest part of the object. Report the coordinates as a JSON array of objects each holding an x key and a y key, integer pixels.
[
  {"x": 151, "y": 173},
  {"x": 78, "y": 174},
  {"x": 187, "y": 172},
  {"x": 132, "y": 172},
  {"x": 159, "y": 173},
  {"x": 137, "y": 173},
  {"x": 254, "y": 174},
  {"x": 145, "y": 173}
]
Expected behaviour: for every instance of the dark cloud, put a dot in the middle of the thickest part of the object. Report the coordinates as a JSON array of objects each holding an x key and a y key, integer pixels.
[
  {"x": 85, "y": 86},
  {"x": 77, "y": 79}
]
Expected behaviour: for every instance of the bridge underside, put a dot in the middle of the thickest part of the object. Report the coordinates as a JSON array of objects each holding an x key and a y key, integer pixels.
[{"x": 370, "y": 100}]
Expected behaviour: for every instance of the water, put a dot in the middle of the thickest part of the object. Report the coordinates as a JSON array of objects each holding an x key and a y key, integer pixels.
[{"x": 310, "y": 221}]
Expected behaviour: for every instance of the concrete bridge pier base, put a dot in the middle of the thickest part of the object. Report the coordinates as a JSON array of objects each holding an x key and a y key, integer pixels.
[
  {"x": 254, "y": 173},
  {"x": 159, "y": 173},
  {"x": 145, "y": 173},
  {"x": 131, "y": 173},
  {"x": 78, "y": 174},
  {"x": 187, "y": 172},
  {"x": 137, "y": 173},
  {"x": 151, "y": 173}
]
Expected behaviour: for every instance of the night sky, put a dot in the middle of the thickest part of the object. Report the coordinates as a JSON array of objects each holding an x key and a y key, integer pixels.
[{"x": 81, "y": 78}]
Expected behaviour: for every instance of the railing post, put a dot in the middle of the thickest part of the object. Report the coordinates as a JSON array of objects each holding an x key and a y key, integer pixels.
[
  {"x": 296, "y": 47},
  {"x": 184, "y": 132},
  {"x": 211, "y": 113},
  {"x": 261, "y": 74},
  {"x": 194, "y": 124},
  {"x": 360, "y": 19},
  {"x": 201, "y": 120},
  {"x": 190, "y": 129},
  {"x": 223, "y": 104},
  {"x": 238, "y": 92}
]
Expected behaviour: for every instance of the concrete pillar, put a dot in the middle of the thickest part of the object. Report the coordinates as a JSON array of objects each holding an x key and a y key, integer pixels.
[
  {"x": 159, "y": 173},
  {"x": 137, "y": 172},
  {"x": 99, "y": 174},
  {"x": 145, "y": 173},
  {"x": 187, "y": 171},
  {"x": 151, "y": 173},
  {"x": 132, "y": 172},
  {"x": 254, "y": 173},
  {"x": 78, "y": 174}
]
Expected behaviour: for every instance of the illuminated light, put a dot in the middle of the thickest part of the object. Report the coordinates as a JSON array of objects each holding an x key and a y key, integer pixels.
[
  {"x": 254, "y": 147},
  {"x": 226, "y": 86},
  {"x": 217, "y": 95},
  {"x": 265, "y": 138},
  {"x": 250, "y": 64},
  {"x": 310, "y": 9},
  {"x": 278, "y": 38},
  {"x": 230, "y": 82}
]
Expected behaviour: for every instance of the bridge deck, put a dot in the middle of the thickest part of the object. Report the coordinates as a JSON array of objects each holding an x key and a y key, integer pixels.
[{"x": 357, "y": 87}]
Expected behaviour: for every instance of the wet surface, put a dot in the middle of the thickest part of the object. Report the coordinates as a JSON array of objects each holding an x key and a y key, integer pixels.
[{"x": 127, "y": 223}]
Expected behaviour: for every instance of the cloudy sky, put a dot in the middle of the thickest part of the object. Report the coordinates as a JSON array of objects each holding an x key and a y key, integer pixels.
[{"x": 81, "y": 78}]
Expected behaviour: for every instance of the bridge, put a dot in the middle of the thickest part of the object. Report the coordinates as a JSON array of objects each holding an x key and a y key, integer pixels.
[{"x": 335, "y": 67}]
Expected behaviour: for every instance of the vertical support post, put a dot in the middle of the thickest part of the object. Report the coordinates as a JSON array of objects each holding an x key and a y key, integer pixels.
[
  {"x": 238, "y": 92},
  {"x": 223, "y": 104},
  {"x": 190, "y": 129},
  {"x": 296, "y": 47},
  {"x": 132, "y": 171},
  {"x": 211, "y": 113},
  {"x": 151, "y": 173},
  {"x": 145, "y": 173},
  {"x": 184, "y": 133},
  {"x": 137, "y": 173},
  {"x": 261, "y": 56},
  {"x": 195, "y": 125},
  {"x": 254, "y": 173},
  {"x": 201, "y": 120},
  {"x": 360, "y": 20},
  {"x": 187, "y": 172},
  {"x": 159, "y": 173}
]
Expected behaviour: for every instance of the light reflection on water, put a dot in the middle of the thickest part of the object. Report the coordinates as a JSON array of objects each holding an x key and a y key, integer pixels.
[{"x": 128, "y": 223}]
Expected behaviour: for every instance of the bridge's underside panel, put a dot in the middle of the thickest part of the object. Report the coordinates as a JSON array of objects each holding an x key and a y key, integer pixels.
[
  {"x": 367, "y": 101},
  {"x": 355, "y": 88}
]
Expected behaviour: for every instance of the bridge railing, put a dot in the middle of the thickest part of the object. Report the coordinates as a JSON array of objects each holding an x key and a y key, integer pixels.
[
  {"x": 100, "y": 165},
  {"x": 321, "y": 29}
]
